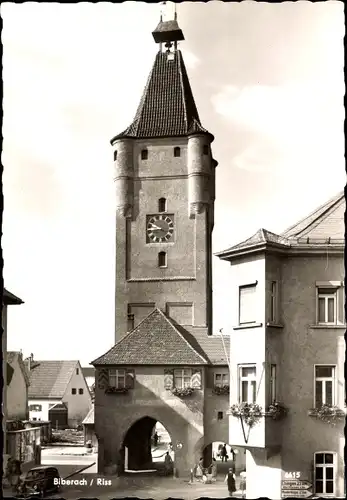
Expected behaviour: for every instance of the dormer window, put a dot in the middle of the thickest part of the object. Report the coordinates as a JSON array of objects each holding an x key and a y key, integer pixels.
[
  {"x": 144, "y": 154},
  {"x": 205, "y": 149},
  {"x": 115, "y": 155},
  {"x": 162, "y": 205},
  {"x": 177, "y": 152}
]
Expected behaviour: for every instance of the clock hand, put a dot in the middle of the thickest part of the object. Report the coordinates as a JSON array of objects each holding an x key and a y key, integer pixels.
[{"x": 155, "y": 227}]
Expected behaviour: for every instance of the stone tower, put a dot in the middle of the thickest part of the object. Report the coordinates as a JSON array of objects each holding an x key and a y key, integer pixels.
[{"x": 164, "y": 177}]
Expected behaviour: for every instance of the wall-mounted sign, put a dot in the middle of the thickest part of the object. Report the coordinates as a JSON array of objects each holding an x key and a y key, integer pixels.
[
  {"x": 179, "y": 446},
  {"x": 296, "y": 488}
]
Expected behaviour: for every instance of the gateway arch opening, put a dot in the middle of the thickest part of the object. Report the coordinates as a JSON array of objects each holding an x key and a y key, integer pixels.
[{"x": 147, "y": 447}]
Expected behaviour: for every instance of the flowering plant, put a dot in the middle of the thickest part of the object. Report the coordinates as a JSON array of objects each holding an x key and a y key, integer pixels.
[
  {"x": 250, "y": 413},
  {"x": 277, "y": 411},
  {"x": 116, "y": 390},
  {"x": 329, "y": 414},
  {"x": 183, "y": 392},
  {"x": 221, "y": 390}
]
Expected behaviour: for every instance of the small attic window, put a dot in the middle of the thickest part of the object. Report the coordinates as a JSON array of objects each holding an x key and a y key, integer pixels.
[
  {"x": 162, "y": 205},
  {"x": 144, "y": 154},
  {"x": 205, "y": 149},
  {"x": 177, "y": 152},
  {"x": 162, "y": 259},
  {"x": 115, "y": 155}
]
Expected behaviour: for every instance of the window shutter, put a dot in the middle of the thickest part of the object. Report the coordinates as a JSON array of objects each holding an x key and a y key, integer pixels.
[
  {"x": 196, "y": 379},
  {"x": 130, "y": 378},
  {"x": 103, "y": 378},
  {"x": 168, "y": 379}
]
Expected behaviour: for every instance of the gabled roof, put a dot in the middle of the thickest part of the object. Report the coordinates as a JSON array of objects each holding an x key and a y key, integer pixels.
[
  {"x": 327, "y": 221},
  {"x": 323, "y": 227},
  {"x": 49, "y": 379},
  {"x": 90, "y": 417},
  {"x": 156, "y": 340},
  {"x": 10, "y": 299},
  {"x": 12, "y": 358},
  {"x": 216, "y": 347},
  {"x": 167, "y": 107}
]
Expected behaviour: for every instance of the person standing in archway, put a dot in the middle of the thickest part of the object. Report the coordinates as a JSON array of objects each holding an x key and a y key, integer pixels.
[
  {"x": 230, "y": 479},
  {"x": 223, "y": 453},
  {"x": 168, "y": 464},
  {"x": 155, "y": 439}
]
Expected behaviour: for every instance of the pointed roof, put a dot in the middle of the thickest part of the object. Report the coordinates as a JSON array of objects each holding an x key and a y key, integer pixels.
[
  {"x": 156, "y": 340},
  {"x": 89, "y": 418},
  {"x": 327, "y": 221},
  {"x": 167, "y": 107},
  {"x": 261, "y": 238},
  {"x": 49, "y": 379},
  {"x": 323, "y": 227}
]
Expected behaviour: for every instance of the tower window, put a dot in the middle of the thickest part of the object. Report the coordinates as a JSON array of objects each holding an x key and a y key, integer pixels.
[
  {"x": 220, "y": 415},
  {"x": 144, "y": 154},
  {"x": 131, "y": 322},
  {"x": 177, "y": 152},
  {"x": 205, "y": 149},
  {"x": 115, "y": 155},
  {"x": 162, "y": 259},
  {"x": 162, "y": 205}
]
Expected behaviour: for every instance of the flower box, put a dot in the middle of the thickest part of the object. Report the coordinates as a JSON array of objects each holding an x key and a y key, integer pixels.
[
  {"x": 329, "y": 414},
  {"x": 277, "y": 411},
  {"x": 223, "y": 390},
  {"x": 116, "y": 390},
  {"x": 250, "y": 413},
  {"x": 182, "y": 393}
]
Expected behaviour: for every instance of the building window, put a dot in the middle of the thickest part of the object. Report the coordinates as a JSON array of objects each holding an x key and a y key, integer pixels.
[
  {"x": 35, "y": 408},
  {"x": 273, "y": 394},
  {"x": 327, "y": 306},
  {"x": 205, "y": 149},
  {"x": 77, "y": 371},
  {"x": 247, "y": 304},
  {"x": 177, "y": 152},
  {"x": 162, "y": 259},
  {"x": 144, "y": 154},
  {"x": 130, "y": 323},
  {"x": 80, "y": 391},
  {"x": 324, "y": 386},
  {"x": 182, "y": 378},
  {"x": 115, "y": 155},
  {"x": 247, "y": 384},
  {"x": 221, "y": 379},
  {"x": 117, "y": 378},
  {"x": 73, "y": 391},
  {"x": 162, "y": 205},
  {"x": 220, "y": 415},
  {"x": 273, "y": 302},
  {"x": 324, "y": 473}
]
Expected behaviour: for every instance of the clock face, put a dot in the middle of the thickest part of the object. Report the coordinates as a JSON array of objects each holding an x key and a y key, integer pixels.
[{"x": 160, "y": 228}]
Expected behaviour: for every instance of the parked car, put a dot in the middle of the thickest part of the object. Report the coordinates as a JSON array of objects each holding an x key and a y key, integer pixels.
[{"x": 39, "y": 481}]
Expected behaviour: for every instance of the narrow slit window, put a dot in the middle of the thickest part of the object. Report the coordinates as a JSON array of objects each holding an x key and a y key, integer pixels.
[
  {"x": 162, "y": 259},
  {"x": 115, "y": 155},
  {"x": 205, "y": 149},
  {"x": 162, "y": 205},
  {"x": 177, "y": 152},
  {"x": 144, "y": 154}
]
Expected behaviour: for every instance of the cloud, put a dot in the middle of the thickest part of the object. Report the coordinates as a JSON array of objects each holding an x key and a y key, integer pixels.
[{"x": 191, "y": 60}]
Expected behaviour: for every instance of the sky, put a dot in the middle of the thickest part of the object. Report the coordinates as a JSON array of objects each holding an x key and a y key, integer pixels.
[{"x": 268, "y": 82}]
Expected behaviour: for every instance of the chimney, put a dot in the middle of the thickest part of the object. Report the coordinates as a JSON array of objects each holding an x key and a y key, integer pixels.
[{"x": 30, "y": 360}]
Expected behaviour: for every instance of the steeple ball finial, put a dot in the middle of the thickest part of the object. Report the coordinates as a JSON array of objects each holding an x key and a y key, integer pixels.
[{"x": 167, "y": 30}]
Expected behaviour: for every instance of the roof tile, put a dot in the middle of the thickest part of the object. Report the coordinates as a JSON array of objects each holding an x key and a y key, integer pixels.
[
  {"x": 154, "y": 341},
  {"x": 49, "y": 379},
  {"x": 167, "y": 107}
]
